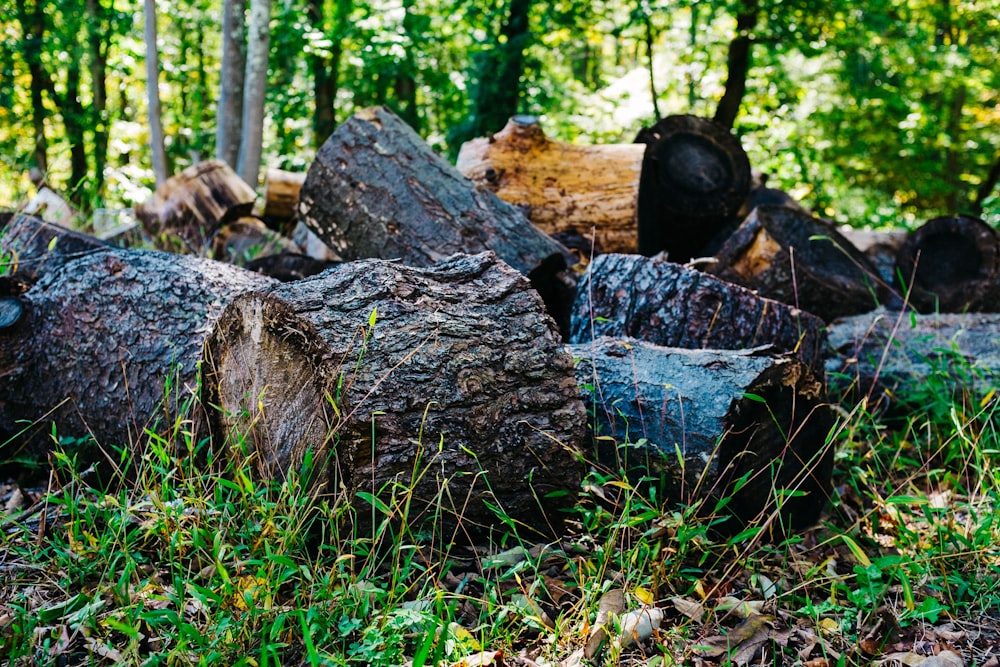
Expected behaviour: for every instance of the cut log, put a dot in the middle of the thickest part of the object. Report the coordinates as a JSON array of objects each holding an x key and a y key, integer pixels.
[
  {"x": 288, "y": 266},
  {"x": 630, "y": 296},
  {"x": 951, "y": 264},
  {"x": 447, "y": 380},
  {"x": 698, "y": 421},
  {"x": 792, "y": 257},
  {"x": 695, "y": 177},
  {"x": 246, "y": 239},
  {"x": 281, "y": 198},
  {"x": 102, "y": 336},
  {"x": 376, "y": 190},
  {"x": 566, "y": 190},
  {"x": 884, "y": 355},
  {"x": 32, "y": 247},
  {"x": 187, "y": 208},
  {"x": 882, "y": 248}
]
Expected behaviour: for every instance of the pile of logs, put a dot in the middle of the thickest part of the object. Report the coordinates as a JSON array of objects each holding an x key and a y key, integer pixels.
[{"x": 440, "y": 342}]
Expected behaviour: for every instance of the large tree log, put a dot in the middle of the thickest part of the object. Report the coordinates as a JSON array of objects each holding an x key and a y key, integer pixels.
[
  {"x": 630, "y": 296},
  {"x": 377, "y": 190},
  {"x": 32, "y": 247},
  {"x": 884, "y": 355},
  {"x": 449, "y": 380},
  {"x": 790, "y": 256},
  {"x": 186, "y": 209},
  {"x": 951, "y": 264},
  {"x": 725, "y": 414},
  {"x": 566, "y": 190},
  {"x": 281, "y": 198},
  {"x": 695, "y": 177},
  {"x": 99, "y": 338}
]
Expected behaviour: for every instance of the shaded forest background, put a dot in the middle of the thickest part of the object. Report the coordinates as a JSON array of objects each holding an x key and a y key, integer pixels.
[{"x": 884, "y": 113}]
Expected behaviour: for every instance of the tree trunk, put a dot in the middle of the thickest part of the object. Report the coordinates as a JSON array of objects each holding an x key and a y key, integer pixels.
[
  {"x": 950, "y": 265},
  {"x": 695, "y": 177},
  {"x": 987, "y": 187},
  {"x": 33, "y": 28},
  {"x": 99, "y": 37},
  {"x": 326, "y": 69},
  {"x": 630, "y": 296},
  {"x": 376, "y": 189},
  {"x": 100, "y": 339},
  {"x": 738, "y": 63},
  {"x": 187, "y": 209},
  {"x": 697, "y": 421},
  {"x": 885, "y": 356},
  {"x": 568, "y": 191},
  {"x": 75, "y": 120},
  {"x": 447, "y": 380},
  {"x": 230, "y": 105},
  {"x": 38, "y": 247},
  {"x": 159, "y": 152},
  {"x": 258, "y": 51},
  {"x": 789, "y": 256}
]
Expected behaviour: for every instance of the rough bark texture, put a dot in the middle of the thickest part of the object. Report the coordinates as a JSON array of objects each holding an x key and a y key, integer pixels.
[
  {"x": 230, "y": 104},
  {"x": 666, "y": 403},
  {"x": 447, "y": 379},
  {"x": 789, "y": 256},
  {"x": 950, "y": 265},
  {"x": 98, "y": 339},
  {"x": 377, "y": 190},
  {"x": 35, "y": 247},
  {"x": 630, "y": 296},
  {"x": 187, "y": 209},
  {"x": 885, "y": 354},
  {"x": 255, "y": 87},
  {"x": 695, "y": 177},
  {"x": 566, "y": 190}
]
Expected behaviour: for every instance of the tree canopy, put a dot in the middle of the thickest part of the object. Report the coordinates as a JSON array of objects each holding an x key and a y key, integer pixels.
[{"x": 884, "y": 113}]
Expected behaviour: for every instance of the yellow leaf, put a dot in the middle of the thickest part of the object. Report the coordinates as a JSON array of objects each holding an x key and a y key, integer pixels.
[{"x": 643, "y": 595}]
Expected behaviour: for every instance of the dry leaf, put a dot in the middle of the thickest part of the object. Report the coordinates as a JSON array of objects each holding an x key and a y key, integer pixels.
[
  {"x": 612, "y": 604},
  {"x": 742, "y": 608},
  {"x": 752, "y": 631},
  {"x": 481, "y": 659},
  {"x": 693, "y": 610}
]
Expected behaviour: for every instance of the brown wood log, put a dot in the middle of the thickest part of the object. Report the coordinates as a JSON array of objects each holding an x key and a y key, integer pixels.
[
  {"x": 882, "y": 356},
  {"x": 448, "y": 379},
  {"x": 246, "y": 239},
  {"x": 630, "y": 296},
  {"x": 100, "y": 337},
  {"x": 281, "y": 198},
  {"x": 881, "y": 247},
  {"x": 565, "y": 189},
  {"x": 187, "y": 208},
  {"x": 377, "y": 190},
  {"x": 695, "y": 177},
  {"x": 724, "y": 413},
  {"x": 951, "y": 264},
  {"x": 790, "y": 256},
  {"x": 32, "y": 247}
]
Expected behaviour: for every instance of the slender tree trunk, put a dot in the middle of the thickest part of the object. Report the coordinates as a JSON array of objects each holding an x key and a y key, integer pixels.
[
  {"x": 75, "y": 120},
  {"x": 157, "y": 147},
  {"x": 326, "y": 69},
  {"x": 99, "y": 36},
  {"x": 33, "y": 29},
  {"x": 650, "y": 39},
  {"x": 986, "y": 188},
  {"x": 255, "y": 87},
  {"x": 953, "y": 173},
  {"x": 738, "y": 64},
  {"x": 229, "y": 114},
  {"x": 405, "y": 85}
]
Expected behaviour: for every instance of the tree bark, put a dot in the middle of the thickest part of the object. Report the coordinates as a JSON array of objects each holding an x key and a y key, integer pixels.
[
  {"x": 108, "y": 345},
  {"x": 789, "y": 256},
  {"x": 697, "y": 421},
  {"x": 987, "y": 187},
  {"x": 567, "y": 191},
  {"x": 258, "y": 52},
  {"x": 99, "y": 39},
  {"x": 950, "y": 265},
  {"x": 326, "y": 68},
  {"x": 882, "y": 356},
  {"x": 37, "y": 247},
  {"x": 738, "y": 64},
  {"x": 159, "y": 152},
  {"x": 377, "y": 190},
  {"x": 231, "y": 78},
  {"x": 33, "y": 28},
  {"x": 447, "y": 380},
  {"x": 630, "y": 296},
  {"x": 695, "y": 177}
]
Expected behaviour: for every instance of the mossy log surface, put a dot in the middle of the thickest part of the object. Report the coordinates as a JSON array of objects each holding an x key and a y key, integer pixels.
[
  {"x": 449, "y": 380},
  {"x": 723, "y": 413}
]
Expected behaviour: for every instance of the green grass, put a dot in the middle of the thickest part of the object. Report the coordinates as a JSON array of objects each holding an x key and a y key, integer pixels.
[{"x": 200, "y": 564}]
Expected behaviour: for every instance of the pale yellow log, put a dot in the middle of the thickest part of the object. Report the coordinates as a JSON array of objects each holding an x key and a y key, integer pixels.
[
  {"x": 281, "y": 193},
  {"x": 564, "y": 188}
]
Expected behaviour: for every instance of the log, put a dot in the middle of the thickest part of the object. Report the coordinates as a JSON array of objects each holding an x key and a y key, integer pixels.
[
  {"x": 288, "y": 266},
  {"x": 376, "y": 190},
  {"x": 98, "y": 340},
  {"x": 187, "y": 208},
  {"x": 566, "y": 190},
  {"x": 882, "y": 356},
  {"x": 881, "y": 247},
  {"x": 951, "y": 264},
  {"x": 695, "y": 177},
  {"x": 630, "y": 296},
  {"x": 33, "y": 247},
  {"x": 697, "y": 421},
  {"x": 449, "y": 380},
  {"x": 246, "y": 239},
  {"x": 281, "y": 198},
  {"x": 790, "y": 256}
]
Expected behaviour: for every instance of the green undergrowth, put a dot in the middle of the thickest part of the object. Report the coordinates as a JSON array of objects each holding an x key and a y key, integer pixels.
[{"x": 190, "y": 563}]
